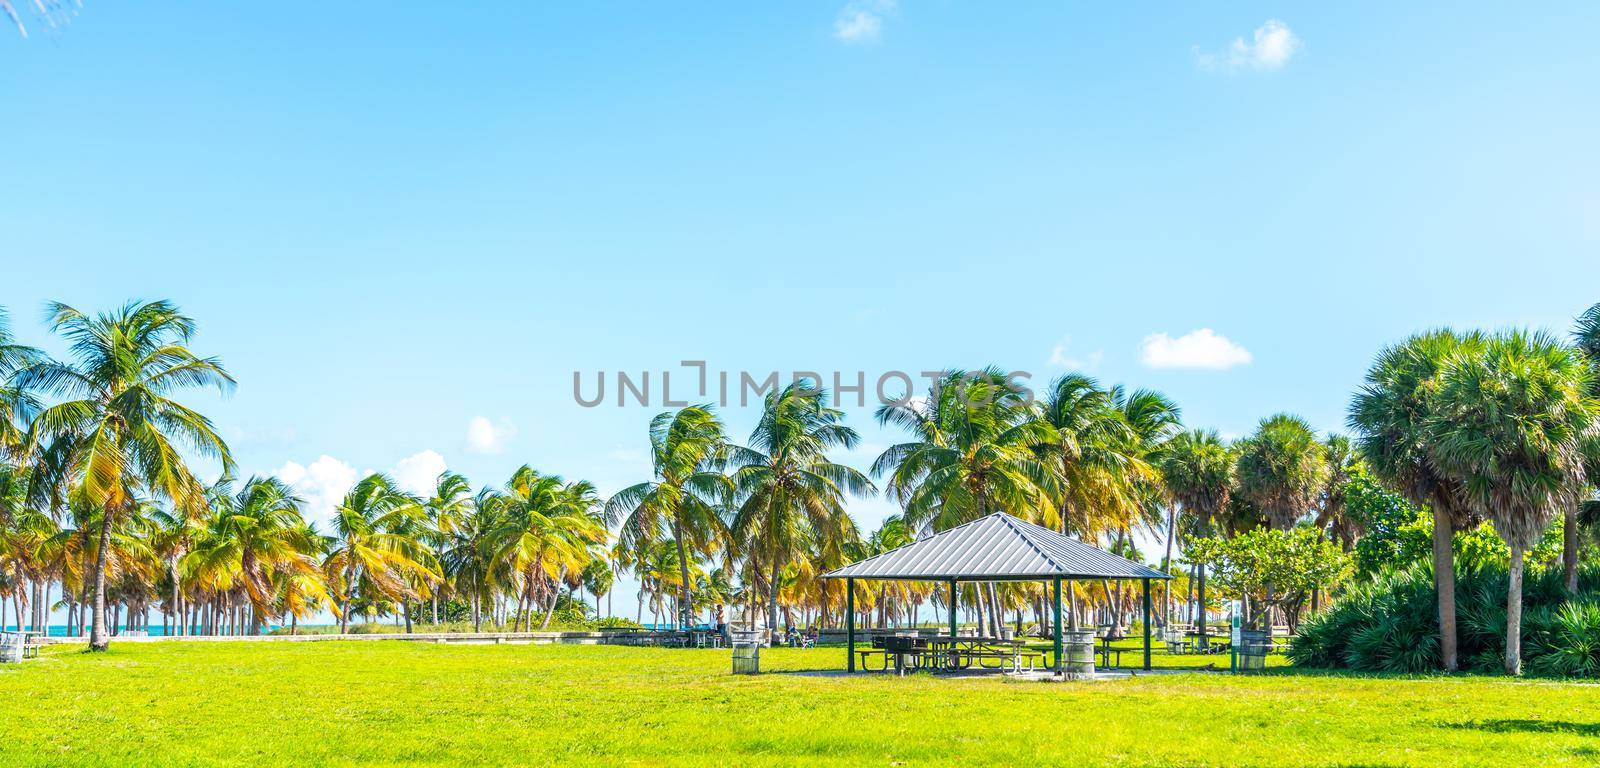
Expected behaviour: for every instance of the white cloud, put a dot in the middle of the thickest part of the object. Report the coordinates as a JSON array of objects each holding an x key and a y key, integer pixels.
[
  {"x": 1060, "y": 358},
  {"x": 322, "y": 486},
  {"x": 861, "y": 21},
  {"x": 1270, "y": 48},
  {"x": 419, "y": 473},
  {"x": 1203, "y": 348},
  {"x": 485, "y": 436}
]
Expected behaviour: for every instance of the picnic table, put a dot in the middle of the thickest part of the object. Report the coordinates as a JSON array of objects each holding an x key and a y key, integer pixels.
[
  {"x": 950, "y": 653},
  {"x": 16, "y": 646}
]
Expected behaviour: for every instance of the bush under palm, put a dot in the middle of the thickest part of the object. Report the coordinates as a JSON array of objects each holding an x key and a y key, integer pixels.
[{"x": 1390, "y": 624}]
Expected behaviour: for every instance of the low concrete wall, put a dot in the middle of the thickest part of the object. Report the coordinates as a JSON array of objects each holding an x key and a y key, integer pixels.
[{"x": 531, "y": 638}]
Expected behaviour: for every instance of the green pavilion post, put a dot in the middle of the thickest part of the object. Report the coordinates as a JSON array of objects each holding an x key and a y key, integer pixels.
[
  {"x": 1147, "y": 611},
  {"x": 850, "y": 624},
  {"x": 1056, "y": 623},
  {"x": 952, "y": 609}
]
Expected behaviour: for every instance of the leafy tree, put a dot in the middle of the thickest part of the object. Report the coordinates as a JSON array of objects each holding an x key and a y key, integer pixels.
[{"x": 1274, "y": 568}]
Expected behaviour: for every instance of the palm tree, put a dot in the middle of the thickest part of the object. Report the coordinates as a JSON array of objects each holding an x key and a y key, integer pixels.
[
  {"x": 118, "y": 421},
  {"x": 1198, "y": 470},
  {"x": 976, "y": 449},
  {"x": 467, "y": 553},
  {"x": 1281, "y": 470},
  {"x": 550, "y": 529},
  {"x": 1390, "y": 415},
  {"x": 1511, "y": 423},
  {"x": 255, "y": 541},
  {"x": 1587, "y": 338},
  {"x": 17, "y": 403},
  {"x": 788, "y": 493},
  {"x": 366, "y": 555},
  {"x": 687, "y": 496},
  {"x": 449, "y": 505},
  {"x": 1093, "y": 451},
  {"x": 1332, "y": 516}
]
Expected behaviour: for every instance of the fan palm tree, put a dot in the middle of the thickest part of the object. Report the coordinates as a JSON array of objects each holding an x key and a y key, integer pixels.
[
  {"x": 1389, "y": 416},
  {"x": 1198, "y": 471},
  {"x": 789, "y": 495},
  {"x": 1587, "y": 337},
  {"x": 117, "y": 418},
  {"x": 367, "y": 555},
  {"x": 1281, "y": 469},
  {"x": 685, "y": 500},
  {"x": 1332, "y": 516},
  {"x": 1511, "y": 422}
]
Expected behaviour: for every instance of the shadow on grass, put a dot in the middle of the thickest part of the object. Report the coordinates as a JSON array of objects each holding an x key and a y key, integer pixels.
[{"x": 1527, "y": 726}]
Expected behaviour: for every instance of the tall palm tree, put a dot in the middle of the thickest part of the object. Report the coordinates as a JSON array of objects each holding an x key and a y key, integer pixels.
[
  {"x": 366, "y": 555},
  {"x": 1094, "y": 453},
  {"x": 1511, "y": 423},
  {"x": 1198, "y": 470},
  {"x": 685, "y": 500},
  {"x": 788, "y": 493},
  {"x": 117, "y": 417},
  {"x": 1390, "y": 415}
]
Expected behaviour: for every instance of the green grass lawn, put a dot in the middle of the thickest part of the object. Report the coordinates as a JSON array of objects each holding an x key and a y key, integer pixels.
[{"x": 350, "y": 703}]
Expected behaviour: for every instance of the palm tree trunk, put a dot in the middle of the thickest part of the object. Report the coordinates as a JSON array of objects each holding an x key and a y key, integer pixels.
[
  {"x": 686, "y": 599},
  {"x": 1569, "y": 550},
  {"x": 772, "y": 605},
  {"x": 1514, "y": 615},
  {"x": 1166, "y": 562},
  {"x": 555, "y": 594},
  {"x": 98, "y": 639},
  {"x": 405, "y": 608},
  {"x": 1444, "y": 583}
]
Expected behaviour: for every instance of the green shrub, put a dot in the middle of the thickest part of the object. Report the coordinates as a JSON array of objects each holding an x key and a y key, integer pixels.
[{"x": 1390, "y": 624}]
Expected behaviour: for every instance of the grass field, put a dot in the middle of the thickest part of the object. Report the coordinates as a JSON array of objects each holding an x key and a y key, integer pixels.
[{"x": 365, "y": 703}]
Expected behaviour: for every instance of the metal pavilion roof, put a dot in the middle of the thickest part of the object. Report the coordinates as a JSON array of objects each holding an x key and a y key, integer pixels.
[{"x": 996, "y": 548}]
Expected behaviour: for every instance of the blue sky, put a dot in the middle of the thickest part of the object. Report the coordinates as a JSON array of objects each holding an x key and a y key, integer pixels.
[{"x": 392, "y": 220}]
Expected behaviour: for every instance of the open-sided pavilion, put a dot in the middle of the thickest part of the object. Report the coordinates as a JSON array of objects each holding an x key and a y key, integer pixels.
[{"x": 998, "y": 547}]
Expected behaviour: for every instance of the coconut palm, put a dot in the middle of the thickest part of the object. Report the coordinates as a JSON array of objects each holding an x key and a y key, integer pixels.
[
  {"x": 255, "y": 540},
  {"x": 366, "y": 557},
  {"x": 1197, "y": 468},
  {"x": 978, "y": 447},
  {"x": 1094, "y": 453},
  {"x": 1389, "y": 416},
  {"x": 789, "y": 495},
  {"x": 1511, "y": 423},
  {"x": 550, "y": 528},
  {"x": 685, "y": 500},
  {"x": 117, "y": 420},
  {"x": 17, "y": 403},
  {"x": 467, "y": 550}
]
